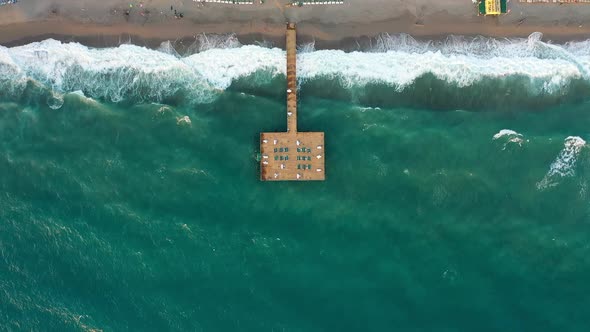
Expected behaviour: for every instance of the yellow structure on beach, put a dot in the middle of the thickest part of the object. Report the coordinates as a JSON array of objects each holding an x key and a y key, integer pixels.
[
  {"x": 292, "y": 155},
  {"x": 492, "y": 7}
]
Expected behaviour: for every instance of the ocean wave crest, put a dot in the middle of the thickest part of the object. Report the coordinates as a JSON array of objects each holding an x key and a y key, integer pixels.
[
  {"x": 508, "y": 136},
  {"x": 394, "y": 65},
  {"x": 400, "y": 60},
  {"x": 565, "y": 163}
]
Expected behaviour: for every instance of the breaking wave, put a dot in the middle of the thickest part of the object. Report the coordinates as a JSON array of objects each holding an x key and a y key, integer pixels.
[
  {"x": 565, "y": 163},
  {"x": 506, "y": 132},
  {"x": 455, "y": 72},
  {"x": 507, "y": 137}
]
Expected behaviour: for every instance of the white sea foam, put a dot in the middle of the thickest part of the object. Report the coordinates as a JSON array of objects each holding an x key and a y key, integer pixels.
[
  {"x": 565, "y": 163},
  {"x": 205, "y": 42},
  {"x": 306, "y": 48},
  {"x": 168, "y": 48},
  {"x": 79, "y": 93},
  {"x": 506, "y": 132},
  {"x": 7, "y": 65},
  {"x": 12, "y": 78},
  {"x": 220, "y": 67},
  {"x": 185, "y": 120},
  {"x": 509, "y": 136},
  {"x": 133, "y": 71},
  {"x": 55, "y": 100},
  {"x": 400, "y": 69},
  {"x": 130, "y": 71}
]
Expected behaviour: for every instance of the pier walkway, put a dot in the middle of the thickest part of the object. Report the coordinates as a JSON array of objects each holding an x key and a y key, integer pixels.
[{"x": 292, "y": 155}]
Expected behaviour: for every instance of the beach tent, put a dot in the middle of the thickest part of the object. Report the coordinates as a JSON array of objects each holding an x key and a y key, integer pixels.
[{"x": 492, "y": 7}]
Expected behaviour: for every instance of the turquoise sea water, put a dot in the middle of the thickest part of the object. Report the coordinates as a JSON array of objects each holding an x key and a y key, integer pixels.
[{"x": 440, "y": 212}]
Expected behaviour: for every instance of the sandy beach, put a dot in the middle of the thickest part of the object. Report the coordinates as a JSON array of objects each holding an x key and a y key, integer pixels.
[{"x": 149, "y": 22}]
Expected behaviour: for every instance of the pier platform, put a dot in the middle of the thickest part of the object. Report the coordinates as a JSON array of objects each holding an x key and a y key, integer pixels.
[{"x": 292, "y": 155}]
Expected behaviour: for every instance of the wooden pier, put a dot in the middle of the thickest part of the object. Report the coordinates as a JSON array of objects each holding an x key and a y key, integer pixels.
[{"x": 292, "y": 155}]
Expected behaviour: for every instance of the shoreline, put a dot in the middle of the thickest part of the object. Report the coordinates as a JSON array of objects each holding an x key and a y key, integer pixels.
[{"x": 347, "y": 37}]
